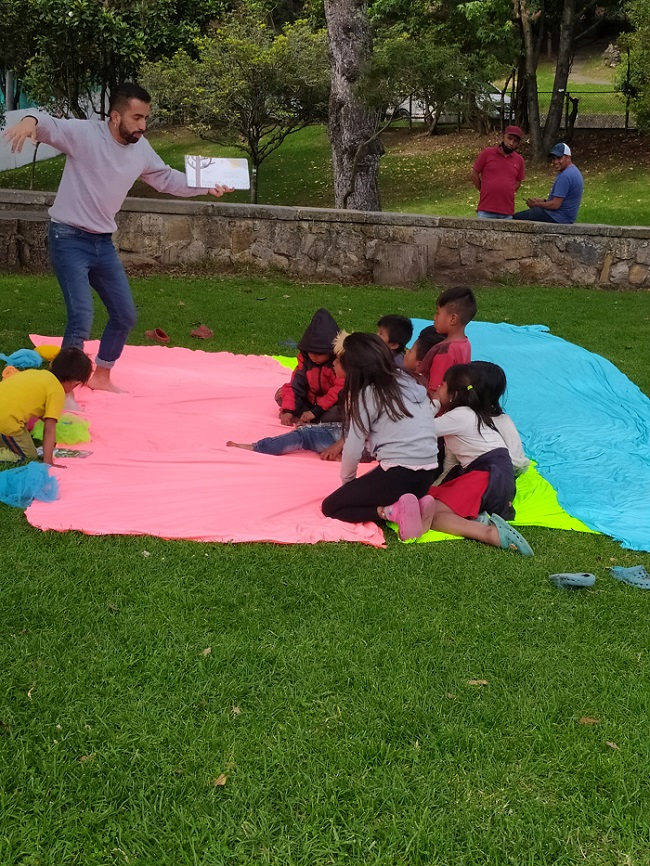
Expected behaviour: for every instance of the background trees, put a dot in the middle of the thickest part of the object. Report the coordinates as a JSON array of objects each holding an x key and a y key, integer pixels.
[{"x": 245, "y": 85}]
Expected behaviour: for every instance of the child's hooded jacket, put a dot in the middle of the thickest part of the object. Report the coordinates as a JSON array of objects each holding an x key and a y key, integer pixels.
[{"x": 314, "y": 387}]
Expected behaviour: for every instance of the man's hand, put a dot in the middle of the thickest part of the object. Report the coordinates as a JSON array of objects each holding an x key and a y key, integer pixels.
[
  {"x": 307, "y": 417},
  {"x": 287, "y": 419},
  {"x": 535, "y": 202},
  {"x": 333, "y": 452},
  {"x": 18, "y": 134},
  {"x": 217, "y": 191}
]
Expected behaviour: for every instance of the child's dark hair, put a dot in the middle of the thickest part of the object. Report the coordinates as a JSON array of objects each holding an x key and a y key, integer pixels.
[
  {"x": 72, "y": 365},
  {"x": 459, "y": 300},
  {"x": 368, "y": 362},
  {"x": 399, "y": 329},
  {"x": 494, "y": 382},
  {"x": 427, "y": 339},
  {"x": 466, "y": 387}
]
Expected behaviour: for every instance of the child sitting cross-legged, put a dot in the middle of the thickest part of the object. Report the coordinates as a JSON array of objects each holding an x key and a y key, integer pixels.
[
  {"x": 311, "y": 397},
  {"x": 39, "y": 394}
]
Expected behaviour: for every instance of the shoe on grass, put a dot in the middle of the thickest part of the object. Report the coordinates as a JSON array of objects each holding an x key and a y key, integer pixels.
[{"x": 406, "y": 514}]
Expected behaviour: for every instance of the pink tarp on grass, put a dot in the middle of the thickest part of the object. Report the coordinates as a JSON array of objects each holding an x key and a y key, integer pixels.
[{"x": 160, "y": 466}]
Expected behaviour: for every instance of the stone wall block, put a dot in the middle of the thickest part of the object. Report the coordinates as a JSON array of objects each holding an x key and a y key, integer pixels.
[
  {"x": 400, "y": 264},
  {"x": 643, "y": 253},
  {"x": 638, "y": 275}
]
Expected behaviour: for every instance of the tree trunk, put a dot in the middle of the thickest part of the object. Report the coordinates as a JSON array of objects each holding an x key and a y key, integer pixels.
[
  {"x": 554, "y": 116},
  {"x": 531, "y": 57},
  {"x": 356, "y": 150}
]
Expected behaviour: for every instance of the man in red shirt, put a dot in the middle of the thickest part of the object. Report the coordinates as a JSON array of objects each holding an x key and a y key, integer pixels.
[{"x": 497, "y": 175}]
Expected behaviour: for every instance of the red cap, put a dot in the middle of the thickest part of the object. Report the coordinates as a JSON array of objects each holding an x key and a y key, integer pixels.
[{"x": 514, "y": 130}]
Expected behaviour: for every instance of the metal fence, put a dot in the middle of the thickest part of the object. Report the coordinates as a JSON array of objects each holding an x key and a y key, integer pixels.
[{"x": 592, "y": 109}]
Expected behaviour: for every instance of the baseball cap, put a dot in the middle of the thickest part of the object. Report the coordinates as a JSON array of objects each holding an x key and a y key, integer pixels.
[
  {"x": 561, "y": 149},
  {"x": 514, "y": 130}
]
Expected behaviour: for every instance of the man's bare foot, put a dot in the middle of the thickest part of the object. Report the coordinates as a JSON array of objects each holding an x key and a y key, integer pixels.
[
  {"x": 70, "y": 404},
  {"x": 101, "y": 381},
  {"x": 243, "y": 445}
]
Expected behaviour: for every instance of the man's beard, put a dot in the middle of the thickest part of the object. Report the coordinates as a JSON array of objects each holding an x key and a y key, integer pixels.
[
  {"x": 506, "y": 149},
  {"x": 128, "y": 137}
]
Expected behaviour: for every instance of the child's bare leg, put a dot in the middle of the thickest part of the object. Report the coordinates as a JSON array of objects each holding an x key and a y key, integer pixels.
[
  {"x": 445, "y": 520},
  {"x": 245, "y": 445}
]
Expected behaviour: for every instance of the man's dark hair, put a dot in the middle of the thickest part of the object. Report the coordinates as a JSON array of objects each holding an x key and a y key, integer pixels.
[
  {"x": 399, "y": 328},
  {"x": 459, "y": 300},
  {"x": 72, "y": 365},
  {"x": 124, "y": 93}
]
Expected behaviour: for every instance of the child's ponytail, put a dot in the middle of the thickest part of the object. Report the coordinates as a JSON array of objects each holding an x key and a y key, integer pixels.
[{"x": 466, "y": 387}]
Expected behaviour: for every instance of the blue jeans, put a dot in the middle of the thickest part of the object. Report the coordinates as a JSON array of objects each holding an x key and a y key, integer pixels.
[
  {"x": 536, "y": 214},
  {"x": 83, "y": 261},
  {"x": 489, "y": 215},
  {"x": 312, "y": 437}
]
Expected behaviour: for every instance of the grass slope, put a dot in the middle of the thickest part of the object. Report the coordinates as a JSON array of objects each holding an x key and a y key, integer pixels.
[
  {"x": 332, "y": 688},
  {"x": 418, "y": 173}
]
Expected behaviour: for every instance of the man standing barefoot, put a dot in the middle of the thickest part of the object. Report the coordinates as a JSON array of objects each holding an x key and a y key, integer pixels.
[{"x": 103, "y": 162}]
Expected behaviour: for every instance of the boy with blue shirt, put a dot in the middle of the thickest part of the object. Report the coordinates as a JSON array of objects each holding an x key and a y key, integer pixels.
[{"x": 563, "y": 201}]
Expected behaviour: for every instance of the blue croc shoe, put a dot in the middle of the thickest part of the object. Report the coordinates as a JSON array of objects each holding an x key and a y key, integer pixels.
[
  {"x": 566, "y": 580},
  {"x": 510, "y": 538},
  {"x": 635, "y": 576}
]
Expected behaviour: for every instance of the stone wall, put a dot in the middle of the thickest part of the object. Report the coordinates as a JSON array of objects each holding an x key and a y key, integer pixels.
[{"x": 343, "y": 246}]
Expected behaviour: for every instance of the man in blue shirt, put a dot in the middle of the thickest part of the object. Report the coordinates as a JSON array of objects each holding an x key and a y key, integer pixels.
[{"x": 563, "y": 201}]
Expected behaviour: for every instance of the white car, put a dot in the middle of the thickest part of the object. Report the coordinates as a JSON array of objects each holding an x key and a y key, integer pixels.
[{"x": 489, "y": 100}]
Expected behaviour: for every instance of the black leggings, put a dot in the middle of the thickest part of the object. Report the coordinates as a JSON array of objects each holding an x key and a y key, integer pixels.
[{"x": 357, "y": 501}]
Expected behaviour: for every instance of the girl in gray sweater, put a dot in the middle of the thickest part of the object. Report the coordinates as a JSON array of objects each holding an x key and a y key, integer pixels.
[{"x": 389, "y": 411}]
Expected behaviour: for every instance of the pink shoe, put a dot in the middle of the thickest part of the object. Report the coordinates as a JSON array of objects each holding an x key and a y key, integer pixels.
[
  {"x": 406, "y": 514},
  {"x": 427, "y": 511}
]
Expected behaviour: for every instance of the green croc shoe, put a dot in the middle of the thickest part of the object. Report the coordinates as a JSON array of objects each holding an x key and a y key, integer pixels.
[
  {"x": 567, "y": 580},
  {"x": 510, "y": 538}
]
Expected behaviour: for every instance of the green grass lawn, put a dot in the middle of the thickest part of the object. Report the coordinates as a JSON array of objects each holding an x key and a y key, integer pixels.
[
  {"x": 418, "y": 173},
  {"x": 337, "y": 699}
]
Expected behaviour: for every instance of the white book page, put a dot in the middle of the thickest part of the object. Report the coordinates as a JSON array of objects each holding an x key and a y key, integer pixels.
[{"x": 209, "y": 171}]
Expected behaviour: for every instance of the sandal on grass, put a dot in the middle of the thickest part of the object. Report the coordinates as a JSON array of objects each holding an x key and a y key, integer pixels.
[
  {"x": 635, "y": 576},
  {"x": 483, "y": 518},
  {"x": 568, "y": 580},
  {"x": 510, "y": 538}
]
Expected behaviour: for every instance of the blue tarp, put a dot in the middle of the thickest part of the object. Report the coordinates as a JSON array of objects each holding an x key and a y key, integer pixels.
[{"x": 584, "y": 422}]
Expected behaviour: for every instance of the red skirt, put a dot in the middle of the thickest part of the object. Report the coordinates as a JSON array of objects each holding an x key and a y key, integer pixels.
[{"x": 463, "y": 494}]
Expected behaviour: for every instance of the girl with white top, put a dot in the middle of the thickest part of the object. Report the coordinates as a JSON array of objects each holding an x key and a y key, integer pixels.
[
  {"x": 387, "y": 410},
  {"x": 483, "y": 482}
]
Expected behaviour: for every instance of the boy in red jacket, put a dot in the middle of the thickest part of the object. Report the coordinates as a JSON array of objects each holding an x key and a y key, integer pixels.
[{"x": 312, "y": 395}]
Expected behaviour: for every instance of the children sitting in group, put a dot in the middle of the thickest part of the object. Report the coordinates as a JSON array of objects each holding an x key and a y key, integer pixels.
[
  {"x": 312, "y": 395},
  {"x": 455, "y": 308},
  {"x": 39, "y": 394},
  {"x": 395, "y": 331},
  {"x": 399, "y": 416}
]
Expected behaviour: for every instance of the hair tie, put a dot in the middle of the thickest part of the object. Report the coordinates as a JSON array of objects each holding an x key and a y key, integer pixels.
[{"x": 470, "y": 387}]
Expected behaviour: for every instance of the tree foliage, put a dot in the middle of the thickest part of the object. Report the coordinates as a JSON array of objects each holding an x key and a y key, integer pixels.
[
  {"x": 246, "y": 86},
  {"x": 65, "y": 52},
  {"x": 419, "y": 66},
  {"x": 637, "y": 83}
]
